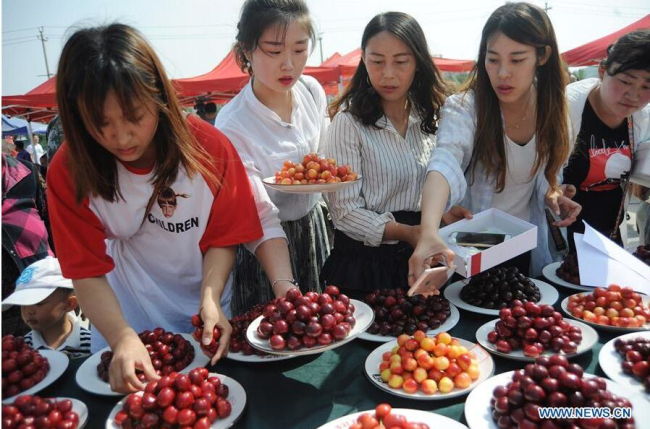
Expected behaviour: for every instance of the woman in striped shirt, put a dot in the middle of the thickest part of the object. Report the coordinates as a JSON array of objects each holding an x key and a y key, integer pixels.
[{"x": 383, "y": 127}]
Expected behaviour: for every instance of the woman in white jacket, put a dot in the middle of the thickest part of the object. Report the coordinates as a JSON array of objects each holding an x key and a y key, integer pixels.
[
  {"x": 610, "y": 118},
  {"x": 503, "y": 141}
]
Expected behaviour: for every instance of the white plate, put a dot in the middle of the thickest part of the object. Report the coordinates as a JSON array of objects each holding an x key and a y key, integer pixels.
[
  {"x": 269, "y": 182},
  {"x": 610, "y": 361},
  {"x": 451, "y": 321},
  {"x": 415, "y": 416},
  {"x": 589, "y": 339},
  {"x": 77, "y": 406},
  {"x": 88, "y": 379},
  {"x": 548, "y": 295},
  {"x": 549, "y": 273},
  {"x": 362, "y": 313},
  {"x": 565, "y": 308},
  {"x": 240, "y": 357},
  {"x": 478, "y": 412},
  {"x": 236, "y": 397},
  {"x": 486, "y": 365},
  {"x": 58, "y": 364}
]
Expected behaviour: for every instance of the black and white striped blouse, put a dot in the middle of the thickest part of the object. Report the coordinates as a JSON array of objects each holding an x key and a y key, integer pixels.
[{"x": 393, "y": 170}]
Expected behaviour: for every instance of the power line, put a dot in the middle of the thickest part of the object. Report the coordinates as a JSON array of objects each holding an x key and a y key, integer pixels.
[
  {"x": 605, "y": 6},
  {"x": 15, "y": 31},
  {"x": 599, "y": 13},
  {"x": 18, "y": 38},
  {"x": 19, "y": 43}
]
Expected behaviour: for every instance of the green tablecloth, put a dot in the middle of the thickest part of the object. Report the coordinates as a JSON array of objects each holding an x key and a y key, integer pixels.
[{"x": 307, "y": 392}]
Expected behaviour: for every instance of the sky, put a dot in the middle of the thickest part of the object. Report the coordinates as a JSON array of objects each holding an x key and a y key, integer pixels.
[{"x": 192, "y": 36}]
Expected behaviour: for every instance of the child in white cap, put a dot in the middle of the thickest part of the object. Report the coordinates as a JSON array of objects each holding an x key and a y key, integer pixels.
[{"x": 47, "y": 303}]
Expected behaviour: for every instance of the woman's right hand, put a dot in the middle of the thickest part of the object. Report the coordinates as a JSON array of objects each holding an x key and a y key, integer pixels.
[
  {"x": 430, "y": 250},
  {"x": 130, "y": 354}
]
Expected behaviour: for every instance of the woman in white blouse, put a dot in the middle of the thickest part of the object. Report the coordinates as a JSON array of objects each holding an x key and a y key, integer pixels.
[
  {"x": 279, "y": 115},
  {"x": 503, "y": 141},
  {"x": 384, "y": 125}
]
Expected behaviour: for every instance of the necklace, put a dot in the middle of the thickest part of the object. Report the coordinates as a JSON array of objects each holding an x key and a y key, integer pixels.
[{"x": 516, "y": 126}]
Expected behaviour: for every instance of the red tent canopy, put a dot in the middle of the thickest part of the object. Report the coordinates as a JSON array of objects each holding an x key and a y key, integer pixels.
[
  {"x": 593, "y": 52},
  {"x": 331, "y": 61},
  {"x": 39, "y": 104},
  {"x": 227, "y": 79},
  {"x": 349, "y": 62}
]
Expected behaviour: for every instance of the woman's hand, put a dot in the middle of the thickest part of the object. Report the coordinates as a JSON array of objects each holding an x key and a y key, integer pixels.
[
  {"x": 429, "y": 251},
  {"x": 212, "y": 316},
  {"x": 130, "y": 354},
  {"x": 562, "y": 206},
  {"x": 455, "y": 214}
]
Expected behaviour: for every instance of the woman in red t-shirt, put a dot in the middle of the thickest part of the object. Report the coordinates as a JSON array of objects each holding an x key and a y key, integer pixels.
[{"x": 135, "y": 264}]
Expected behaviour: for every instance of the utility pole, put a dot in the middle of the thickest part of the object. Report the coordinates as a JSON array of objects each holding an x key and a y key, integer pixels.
[
  {"x": 546, "y": 7},
  {"x": 320, "y": 44},
  {"x": 43, "y": 39}
]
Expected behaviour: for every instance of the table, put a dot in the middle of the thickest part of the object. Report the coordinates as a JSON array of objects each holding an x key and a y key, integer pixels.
[{"x": 307, "y": 392}]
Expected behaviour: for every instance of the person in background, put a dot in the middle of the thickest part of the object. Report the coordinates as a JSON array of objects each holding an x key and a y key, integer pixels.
[
  {"x": 279, "y": 116},
  {"x": 210, "y": 113},
  {"x": 54, "y": 135},
  {"x": 611, "y": 118},
  {"x": 47, "y": 304},
  {"x": 37, "y": 151},
  {"x": 22, "y": 154},
  {"x": 126, "y": 140},
  {"x": 503, "y": 141},
  {"x": 25, "y": 230},
  {"x": 384, "y": 127}
]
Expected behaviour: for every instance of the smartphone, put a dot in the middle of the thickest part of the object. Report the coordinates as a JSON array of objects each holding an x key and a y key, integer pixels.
[
  {"x": 431, "y": 280},
  {"x": 478, "y": 239}
]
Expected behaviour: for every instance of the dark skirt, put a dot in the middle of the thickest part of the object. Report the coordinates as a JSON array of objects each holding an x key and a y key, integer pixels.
[
  {"x": 308, "y": 250},
  {"x": 356, "y": 268}
]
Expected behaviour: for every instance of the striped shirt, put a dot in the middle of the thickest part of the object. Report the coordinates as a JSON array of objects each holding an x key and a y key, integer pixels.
[
  {"x": 393, "y": 169},
  {"x": 76, "y": 345}
]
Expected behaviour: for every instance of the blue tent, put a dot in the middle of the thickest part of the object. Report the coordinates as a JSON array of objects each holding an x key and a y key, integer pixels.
[{"x": 18, "y": 126}]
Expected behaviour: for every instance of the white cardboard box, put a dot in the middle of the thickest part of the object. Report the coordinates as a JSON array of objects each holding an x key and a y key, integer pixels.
[{"x": 523, "y": 238}]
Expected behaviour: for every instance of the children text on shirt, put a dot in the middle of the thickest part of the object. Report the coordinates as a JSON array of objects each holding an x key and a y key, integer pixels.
[{"x": 154, "y": 263}]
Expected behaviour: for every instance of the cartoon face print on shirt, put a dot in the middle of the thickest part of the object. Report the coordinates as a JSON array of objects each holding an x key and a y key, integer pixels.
[{"x": 167, "y": 200}]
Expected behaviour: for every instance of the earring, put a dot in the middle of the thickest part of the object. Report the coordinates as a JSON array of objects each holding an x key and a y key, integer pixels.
[{"x": 248, "y": 64}]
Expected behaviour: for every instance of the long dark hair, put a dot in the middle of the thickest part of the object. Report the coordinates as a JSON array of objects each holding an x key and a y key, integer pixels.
[
  {"x": 427, "y": 92},
  {"x": 630, "y": 52},
  {"x": 117, "y": 57},
  {"x": 527, "y": 24},
  {"x": 258, "y": 15}
]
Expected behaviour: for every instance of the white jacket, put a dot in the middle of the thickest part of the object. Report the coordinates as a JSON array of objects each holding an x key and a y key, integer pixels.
[{"x": 577, "y": 93}]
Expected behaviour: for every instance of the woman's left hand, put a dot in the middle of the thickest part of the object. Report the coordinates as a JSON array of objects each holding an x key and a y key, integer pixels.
[
  {"x": 566, "y": 208},
  {"x": 212, "y": 316}
]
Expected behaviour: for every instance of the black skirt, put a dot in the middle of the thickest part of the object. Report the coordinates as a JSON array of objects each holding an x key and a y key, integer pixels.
[{"x": 356, "y": 268}]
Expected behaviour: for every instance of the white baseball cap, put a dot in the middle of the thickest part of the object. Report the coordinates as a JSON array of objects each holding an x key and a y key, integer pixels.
[{"x": 37, "y": 282}]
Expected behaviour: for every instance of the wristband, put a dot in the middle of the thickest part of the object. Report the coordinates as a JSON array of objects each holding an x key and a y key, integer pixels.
[{"x": 292, "y": 281}]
